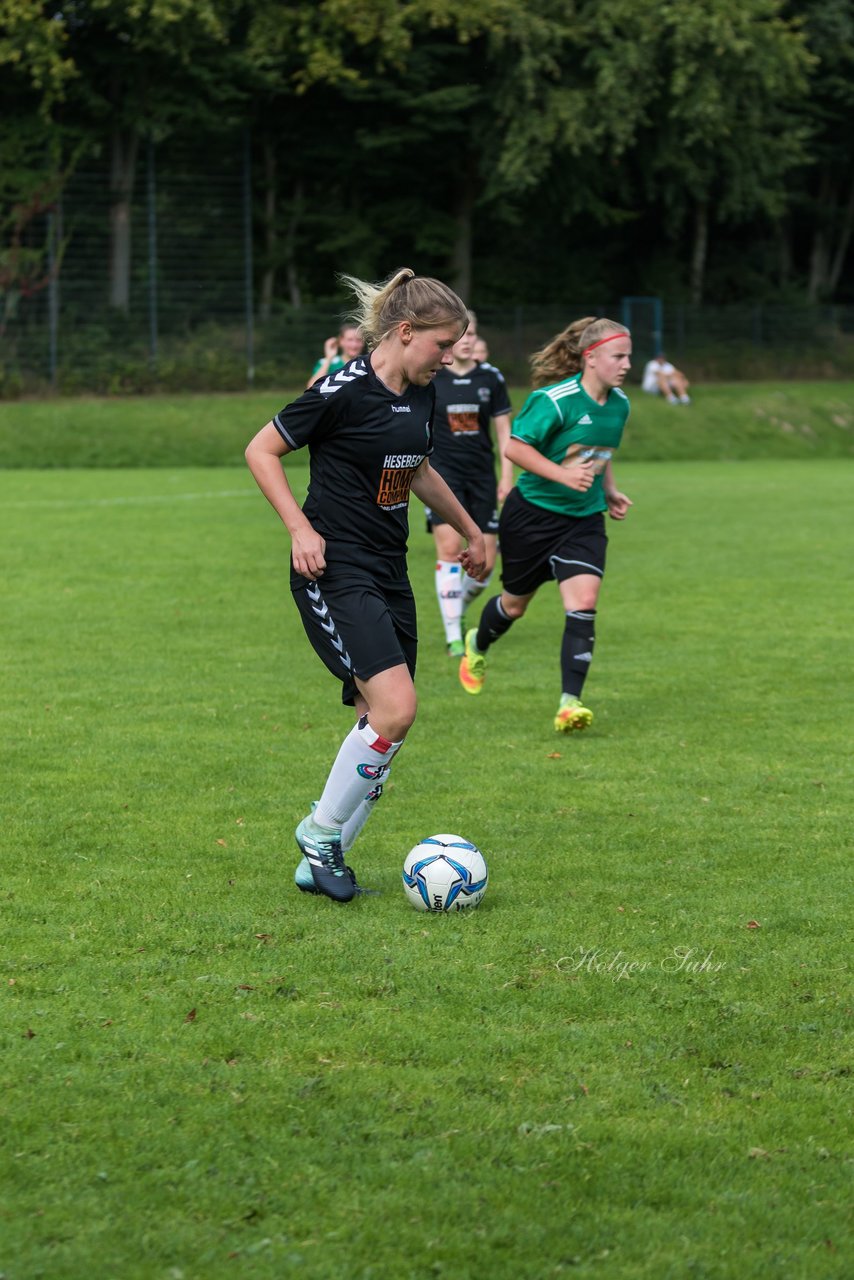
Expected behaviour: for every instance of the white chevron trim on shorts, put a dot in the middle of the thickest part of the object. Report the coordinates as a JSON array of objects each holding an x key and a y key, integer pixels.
[{"x": 327, "y": 624}]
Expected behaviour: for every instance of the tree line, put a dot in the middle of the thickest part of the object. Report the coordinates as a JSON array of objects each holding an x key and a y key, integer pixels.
[{"x": 525, "y": 150}]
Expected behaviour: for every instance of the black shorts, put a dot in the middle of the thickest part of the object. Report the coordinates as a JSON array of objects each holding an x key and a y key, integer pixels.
[
  {"x": 477, "y": 490},
  {"x": 358, "y": 625},
  {"x": 538, "y": 545}
]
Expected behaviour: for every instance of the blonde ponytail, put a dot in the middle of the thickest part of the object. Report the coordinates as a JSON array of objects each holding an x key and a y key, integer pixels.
[{"x": 426, "y": 303}]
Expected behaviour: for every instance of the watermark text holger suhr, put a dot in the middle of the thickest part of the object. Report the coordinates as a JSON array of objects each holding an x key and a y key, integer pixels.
[{"x": 617, "y": 965}]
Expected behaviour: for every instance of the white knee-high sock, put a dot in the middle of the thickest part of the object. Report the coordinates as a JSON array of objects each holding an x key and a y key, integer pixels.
[
  {"x": 353, "y": 826},
  {"x": 363, "y": 759},
  {"x": 449, "y": 578},
  {"x": 472, "y": 588}
]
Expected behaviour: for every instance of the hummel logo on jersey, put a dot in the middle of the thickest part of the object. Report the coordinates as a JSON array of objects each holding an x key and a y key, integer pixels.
[
  {"x": 586, "y": 421},
  {"x": 355, "y": 369},
  {"x": 401, "y": 408}
]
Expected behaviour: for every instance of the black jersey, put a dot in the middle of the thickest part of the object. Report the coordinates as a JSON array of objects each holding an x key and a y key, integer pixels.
[
  {"x": 365, "y": 445},
  {"x": 465, "y": 403}
]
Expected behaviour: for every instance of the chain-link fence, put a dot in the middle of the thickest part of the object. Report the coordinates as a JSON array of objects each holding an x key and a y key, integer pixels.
[
  {"x": 177, "y": 251},
  {"x": 712, "y": 343},
  {"x": 189, "y": 319}
]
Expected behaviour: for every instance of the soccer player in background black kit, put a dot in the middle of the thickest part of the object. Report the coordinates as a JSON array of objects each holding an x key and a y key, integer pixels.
[
  {"x": 369, "y": 429},
  {"x": 469, "y": 395}
]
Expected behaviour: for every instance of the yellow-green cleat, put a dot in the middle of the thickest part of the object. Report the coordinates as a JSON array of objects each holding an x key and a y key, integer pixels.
[
  {"x": 473, "y": 665},
  {"x": 572, "y": 715}
]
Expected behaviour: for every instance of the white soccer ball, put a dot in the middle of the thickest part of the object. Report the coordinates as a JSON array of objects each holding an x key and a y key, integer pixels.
[{"x": 444, "y": 873}]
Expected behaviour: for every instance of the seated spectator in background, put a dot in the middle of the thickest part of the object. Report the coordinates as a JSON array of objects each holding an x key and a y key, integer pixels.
[
  {"x": 337, "y": 352},
  {"x": 660, "y": 376},
  {"x": 480, "y": 351}
]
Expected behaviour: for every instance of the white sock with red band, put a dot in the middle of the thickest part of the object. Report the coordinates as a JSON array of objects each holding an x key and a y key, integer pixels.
[{"x": 362, "y": 762}]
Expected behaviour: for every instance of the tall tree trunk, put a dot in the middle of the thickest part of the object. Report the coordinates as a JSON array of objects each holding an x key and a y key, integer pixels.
[
  {"x": 294, "y": 291},
  {"x": 124, "y": 145},
  {"x": 268, "y": 279},
  {"x": 461, "y": 274},
  {"x": 699, "y": 251},
  {"x": 844, "y": 240},
  {"x": 784, "y": 252},
  {"x": 817, "y": 279},
  {"x": 816, "y": 282}
]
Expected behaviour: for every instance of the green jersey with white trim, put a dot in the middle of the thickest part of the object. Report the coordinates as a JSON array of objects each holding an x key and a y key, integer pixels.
[
  {"x": 567, "y": 426},
  {"x": 336, "y": 363}
]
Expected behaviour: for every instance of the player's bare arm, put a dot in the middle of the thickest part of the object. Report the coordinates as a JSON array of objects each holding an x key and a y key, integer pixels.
[
  {"x": 429, "y": 486},
  {"x": 264, "y": 455},
  {"x": 502, "y": 435},
  {"x": 578, "y": 476}
]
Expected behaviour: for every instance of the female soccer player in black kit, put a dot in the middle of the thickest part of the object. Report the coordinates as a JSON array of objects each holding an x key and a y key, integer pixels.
[
  {"x": 369, "y": 430},
  {"x": 469, "y": 395}
]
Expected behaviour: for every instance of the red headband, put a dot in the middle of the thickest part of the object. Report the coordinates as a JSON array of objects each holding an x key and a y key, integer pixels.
[{"x": 610, "y": 338}]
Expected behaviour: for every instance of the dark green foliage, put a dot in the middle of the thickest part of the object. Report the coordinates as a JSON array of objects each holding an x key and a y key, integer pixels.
[{"x": 522, "y": 150}]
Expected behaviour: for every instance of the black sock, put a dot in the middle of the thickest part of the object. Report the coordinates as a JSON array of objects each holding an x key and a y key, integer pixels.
[
  {"x": 493, "y": 623},
  {"x": 576, "y": 651}
]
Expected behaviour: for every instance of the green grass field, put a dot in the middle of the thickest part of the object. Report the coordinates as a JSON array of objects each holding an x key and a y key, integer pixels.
[
  {"x": 633, "y": 1060},
  {"x": 727, "y": 421}
]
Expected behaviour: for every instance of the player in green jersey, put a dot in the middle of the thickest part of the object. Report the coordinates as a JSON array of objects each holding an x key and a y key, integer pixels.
[
  {"x": 337, "y": 352},
  {"x": 552, "y": 525}
]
